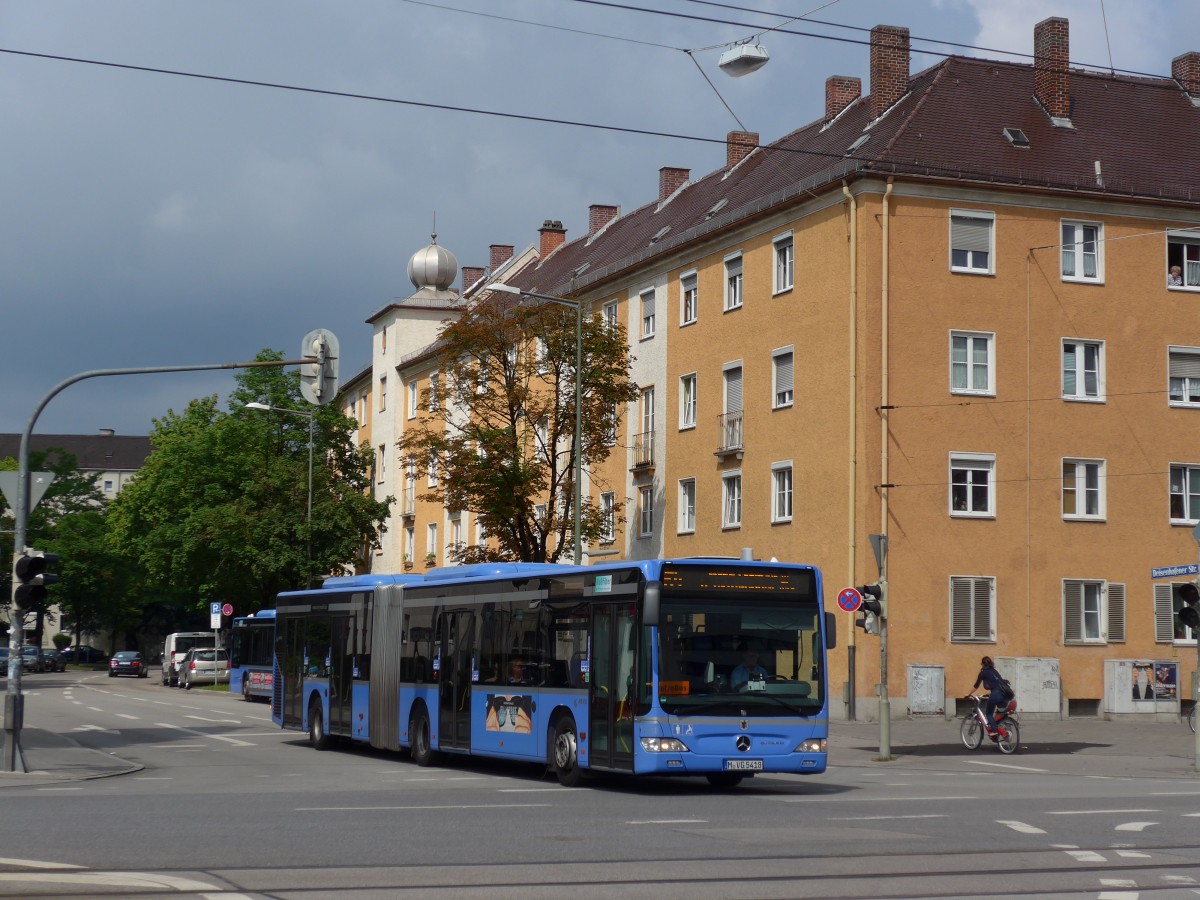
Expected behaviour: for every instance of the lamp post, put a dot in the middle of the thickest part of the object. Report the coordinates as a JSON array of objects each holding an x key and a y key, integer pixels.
[
  {"x": 578, "y": 442},
  {"x": 310, "y": 416}
]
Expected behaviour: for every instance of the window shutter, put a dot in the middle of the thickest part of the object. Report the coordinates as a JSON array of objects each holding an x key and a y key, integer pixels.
[
  {"x": 783, "y": 372},
  {"x": 733, "y": 390},
  {"x": 983, "y": 609},
  {"x": 960, "y": 609},
  {"x": 971, "y": 609},
  {"x": 1185, "y": 365},
  {"x": 969, "y": 233},
  {"x": 1164, "y": 614},
  {"x": 1072, "y": 612},
  {"x": 1116, "y": 613}
]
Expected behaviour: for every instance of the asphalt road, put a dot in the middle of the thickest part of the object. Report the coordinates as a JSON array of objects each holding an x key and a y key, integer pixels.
[{"x": 225, "y": 805}]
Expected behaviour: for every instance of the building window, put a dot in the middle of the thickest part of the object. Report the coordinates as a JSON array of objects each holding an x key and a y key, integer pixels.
[
  {"x": 1081, "y": 243},
  {"x": 608, "y": 517},
  {"x": 433, "y": 470},
  {"x": 108, "y": 486},
  {"x": 1083, "y": 489},
  {"x": 611, "y": 423},
  {"x": 971, "y": 234},
  {"x": 972, "y": 485},
  {"x": 972, "y": 609},
  {"x": 689, "y": 297},
  {"x": 971, "y": 369},
  {"x": 431, "y": 542},
  {"x": 1185, "y": 494},
  {"x": 1183, "y": 260},
  {"x": 784, "y": 263},
  {"x": 1183, "y": 367},
  {"x": 646, "y": 511},
  {"x": 381, "y": 460},
  {"x": 610, "y": 314},
  {"x": 687, "y": 506},
  {"x": 1168, "y": 601},
  {"x": 383, "y": 393},
  {"x": 434, "y": 403},
  {"x": 782, "y": 375},
  {"x": 687, "y": 401},
  {"x": 362, "y": 408},
  {"x": 383, "y": 339},
  {"x": 1083, "y": 370},
  {"x": 731, "y": 505},
  {"x": 412, "y": 399},
  {"x": 733, "y": 281},
  {"x": 539, "y": 514},
  {"x": 1093, "y": 612},
  {"x": 648, "y": 314},
  {"x": 781, "y": 492},
  {"x": 410, "y": 543}
]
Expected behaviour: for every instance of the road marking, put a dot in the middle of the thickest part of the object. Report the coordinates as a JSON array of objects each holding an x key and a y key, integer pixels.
[
  {"x": 112, "y": 879},
  {"x": 1118, "y": 882},
  {"x": 1118, "y": 895},
  {"x": 216, "y": 721},
  {"x": 1175, "y": 794},
  {"x": 153, "y": 778},
  {"x": 1020, "y": 826},
  {"x": 59, "y": 789},
  {"x": 880, "y": 818},
  {"x": 668, "y": 822},
  {"x": 526, "y": 790},
  {"x": 1134, "y": 826},
  {"x": 1085, "y": 855},
  {"x": 175, "y": 746},
  {"x": 127, "y": 716},
  {"x": 1180, "y": 879},
  {"x": 1187, "y": 815},
  {"x": 860, "y": 799},
  {"x": 979, "y": 762},
  {"x": 95, "y": 709},
  {"x": 448, "y": 806},
  {"x": 37, "y": 864},
  {"x": 212, "y": 737},
  {"x": 1133, "y": 854},
  {"x": 1096, "y": 812}
]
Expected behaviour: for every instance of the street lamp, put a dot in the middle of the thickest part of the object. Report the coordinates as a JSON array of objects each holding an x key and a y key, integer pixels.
[
  {"x": 577, "y": 305},
  {"x": 310, "y": 416}
]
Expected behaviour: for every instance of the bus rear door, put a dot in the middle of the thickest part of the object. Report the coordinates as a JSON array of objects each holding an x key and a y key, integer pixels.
[
  {"x": 613, "y": 657},
  {"x": 456, "y": 651}
]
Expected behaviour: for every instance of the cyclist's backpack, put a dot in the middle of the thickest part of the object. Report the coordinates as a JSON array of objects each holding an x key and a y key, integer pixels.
[{"x": 1006, "y": 690}]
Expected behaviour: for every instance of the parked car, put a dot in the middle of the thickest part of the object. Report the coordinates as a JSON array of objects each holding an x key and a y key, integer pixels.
[
  {"x": 176, "y": 646},
  {"x": 4, "y": 661},
  {"x": 128, "y": 662},
  {"x": 85, "y": 655},
  {"x": 203, "y": 665},
  {"x": 31, "y": 659},
  {"x": 55, "y": 661}
]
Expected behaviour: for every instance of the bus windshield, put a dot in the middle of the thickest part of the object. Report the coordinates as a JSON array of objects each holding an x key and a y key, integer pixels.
[{"x": 742, "y": 656}]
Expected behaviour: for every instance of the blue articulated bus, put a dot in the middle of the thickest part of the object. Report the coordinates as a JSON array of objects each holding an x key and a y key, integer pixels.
[
  {"x": 709, "y": 667},
  {"x": 252, "y": 656}
]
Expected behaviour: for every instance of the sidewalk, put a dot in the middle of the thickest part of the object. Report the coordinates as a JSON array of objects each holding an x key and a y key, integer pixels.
[
  {"x": 56, "y": 758},
  {"x": 1081, "y": 746}
]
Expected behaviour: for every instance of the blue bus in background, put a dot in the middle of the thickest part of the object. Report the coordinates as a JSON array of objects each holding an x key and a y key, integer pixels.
[
  {"x": 252, "y": 656},
  {"x": 703, "y": 667}
]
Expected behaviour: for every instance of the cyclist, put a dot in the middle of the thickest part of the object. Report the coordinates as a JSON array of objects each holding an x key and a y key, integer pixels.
[{"x": 992, "y": 682}]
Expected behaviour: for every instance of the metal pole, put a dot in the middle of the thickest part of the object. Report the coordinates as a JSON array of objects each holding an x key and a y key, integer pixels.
[
  {"x": 309, "y": 572},
  {"x": 578, "y": 432}
]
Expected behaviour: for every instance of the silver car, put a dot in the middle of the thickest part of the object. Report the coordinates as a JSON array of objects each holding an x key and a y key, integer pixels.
[{"x": 203, "y": 665}]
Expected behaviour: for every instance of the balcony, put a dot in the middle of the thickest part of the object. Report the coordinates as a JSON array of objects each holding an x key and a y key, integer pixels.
[
  {"x": 643, "y": 450},
  {"x": 408, "y": 501},
  {"x": 731, "y": 435}
]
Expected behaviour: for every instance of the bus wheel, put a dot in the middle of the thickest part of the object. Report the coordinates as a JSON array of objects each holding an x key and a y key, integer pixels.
[
  {"x": 565, "y": 753},
  {"x": 246, "y": 688},
  {"x": 317, "y": 736},
  {"x": 423, "y": 753},
  {"x": 725, "y": 779}
]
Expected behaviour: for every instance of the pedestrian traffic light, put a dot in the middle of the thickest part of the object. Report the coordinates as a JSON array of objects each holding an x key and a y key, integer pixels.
[
  {"x": 872, "y": 608},
  {"x": 32, "y": 577},
  {"x": 1189, "y": 613}
]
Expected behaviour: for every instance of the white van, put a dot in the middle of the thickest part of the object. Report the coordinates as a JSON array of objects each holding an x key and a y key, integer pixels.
[{"x": 176, "y": 646}]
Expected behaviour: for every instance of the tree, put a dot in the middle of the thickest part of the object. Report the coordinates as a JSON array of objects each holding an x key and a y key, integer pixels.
[
  {"x": 500, "y": 423},
  {"x": 219, "y": 511}
]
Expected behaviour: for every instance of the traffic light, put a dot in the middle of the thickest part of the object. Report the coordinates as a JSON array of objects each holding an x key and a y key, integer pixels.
[
  {"x": 32, "y": 577},
  {"x": 1189, "y": 613},
  {"x": 873, "y": 596},
  {"x": 319, "y": 378}
]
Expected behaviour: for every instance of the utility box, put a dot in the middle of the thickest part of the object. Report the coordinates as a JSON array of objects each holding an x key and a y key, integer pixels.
[
  {"x": 1037, "y": 683},
  {"x": 926, "y": 690},
  {"x": 1142, "y": 688}
]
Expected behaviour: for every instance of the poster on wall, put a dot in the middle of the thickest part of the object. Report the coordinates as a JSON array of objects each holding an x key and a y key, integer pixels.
[
  {"x": 1166, "y": 680},
  {"x": 1142, "y": 676}
]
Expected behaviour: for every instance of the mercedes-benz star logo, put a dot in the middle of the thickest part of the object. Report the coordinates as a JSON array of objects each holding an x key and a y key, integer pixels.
[{"x": 743, "y": 743}]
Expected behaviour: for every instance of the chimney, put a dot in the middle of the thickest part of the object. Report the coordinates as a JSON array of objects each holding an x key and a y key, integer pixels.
[
  {"x": 600, "y": 215},
  {"x": 840, "y": 92},
  {"x": 500, "y": 254},
  {"x": 1051, "y": 81},
  {"x": 889, "y": 67},
  {"x": 670, "y": 180},
  {"x": 470, "y": 275},
  {"x": 738, "y": 145},
  {"x": 553, "y": 236},
  {"x": 1186, "y": 70}
]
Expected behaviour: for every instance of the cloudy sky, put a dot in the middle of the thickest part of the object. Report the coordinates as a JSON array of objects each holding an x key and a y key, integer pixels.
[{"x": 151, "y": 219}]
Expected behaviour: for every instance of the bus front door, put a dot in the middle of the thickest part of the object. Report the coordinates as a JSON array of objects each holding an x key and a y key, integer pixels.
[
  {"x": 614, "y": 646},
  {"x": 457, "y": 653},
  {"x": 341, "y": 678},
  {"x": 290, "y": 658}
]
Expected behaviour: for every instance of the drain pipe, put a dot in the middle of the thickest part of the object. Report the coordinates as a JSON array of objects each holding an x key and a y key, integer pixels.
[{"x": 885, "y": 704}]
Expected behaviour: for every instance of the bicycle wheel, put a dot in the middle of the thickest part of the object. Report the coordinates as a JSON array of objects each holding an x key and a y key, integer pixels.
[
  {"x": 1192, "y": 719},
  {"x": 1011, "y": 739},
  {"x": 972, "y": 733}
]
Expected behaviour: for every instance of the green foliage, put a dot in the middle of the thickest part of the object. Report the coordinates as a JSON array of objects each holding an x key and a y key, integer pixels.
[
  {"x": 507, "y": 382},
  {"x": 62, "y": 641},
  {"x": 219, "y": 511}
]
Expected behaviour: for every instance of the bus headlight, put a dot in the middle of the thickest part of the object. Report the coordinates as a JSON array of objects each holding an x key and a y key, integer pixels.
[
  {"x": 663, "y": 745},
  {"x": 812, "y": 745}
]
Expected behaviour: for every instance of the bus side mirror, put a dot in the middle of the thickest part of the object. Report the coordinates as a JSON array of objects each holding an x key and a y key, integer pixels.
[{"x": 830, "y": 631}]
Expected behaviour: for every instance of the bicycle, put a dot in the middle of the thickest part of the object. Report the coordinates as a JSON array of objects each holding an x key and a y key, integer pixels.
[
  {"x": 1007, "y": 735},
  {"x": 1191, "y": 719}
]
